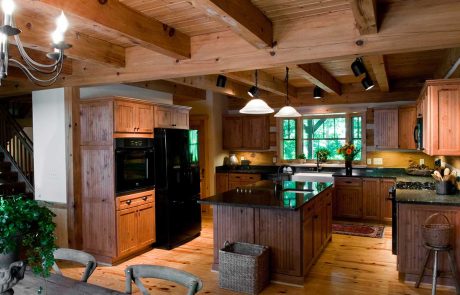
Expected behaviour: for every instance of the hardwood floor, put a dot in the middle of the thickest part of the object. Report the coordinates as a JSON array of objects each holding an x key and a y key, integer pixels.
[{"x": 349, "y": 265}]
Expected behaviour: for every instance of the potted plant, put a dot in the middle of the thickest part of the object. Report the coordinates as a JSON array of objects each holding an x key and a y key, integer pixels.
[
  {"x": 322, "y": 154},
  {"x": 302, "y": 158},
  {"x": 26, "y": 227},
  {"x": 348, "y": 151}
]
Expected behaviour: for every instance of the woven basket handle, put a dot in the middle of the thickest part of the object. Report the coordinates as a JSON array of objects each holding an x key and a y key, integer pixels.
[{"x": 427, "y": 221}]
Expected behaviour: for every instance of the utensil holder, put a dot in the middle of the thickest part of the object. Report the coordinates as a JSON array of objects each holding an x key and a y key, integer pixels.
[{"x": 445, "y": 188}]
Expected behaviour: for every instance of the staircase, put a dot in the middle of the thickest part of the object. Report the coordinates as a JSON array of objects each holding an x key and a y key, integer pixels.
[{"x": 9, "y": 180}]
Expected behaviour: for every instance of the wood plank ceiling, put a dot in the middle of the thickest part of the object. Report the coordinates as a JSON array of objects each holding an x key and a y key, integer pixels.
[{"x": 186, "y": 43}]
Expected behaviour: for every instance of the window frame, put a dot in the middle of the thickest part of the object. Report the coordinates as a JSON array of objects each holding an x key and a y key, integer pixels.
[{"x": 300, "y": 139}]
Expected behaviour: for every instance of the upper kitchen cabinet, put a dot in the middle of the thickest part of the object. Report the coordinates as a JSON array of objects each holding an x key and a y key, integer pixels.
[
  {"x": 170, "y": 116},
  {"x": 386, "y": 126},
  {"x": 132, "y": 117},
  {"x": 406, "y": 123},
  {"x": 246, "y": 132},
  {"x": 441, "y": 106}
]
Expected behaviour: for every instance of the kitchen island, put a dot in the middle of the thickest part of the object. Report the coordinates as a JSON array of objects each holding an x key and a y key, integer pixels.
[{"x": 294, "y": 219}]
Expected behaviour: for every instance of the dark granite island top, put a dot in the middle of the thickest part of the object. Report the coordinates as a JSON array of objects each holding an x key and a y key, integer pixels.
[
  {"x": 263, "y": 194},
  {"x": 426, "y": 197},
  {"x": 398, "y": 174}
]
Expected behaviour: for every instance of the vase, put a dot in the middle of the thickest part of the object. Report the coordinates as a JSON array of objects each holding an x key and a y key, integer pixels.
[
  {"x": 348, "y": 167},
  {"x": 11, "y": 272}
]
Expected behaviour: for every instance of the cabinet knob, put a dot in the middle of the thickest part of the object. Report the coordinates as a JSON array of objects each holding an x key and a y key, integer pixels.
[
  {"x": 128, "y": 202},
  {"x": 144, "y": 198}
]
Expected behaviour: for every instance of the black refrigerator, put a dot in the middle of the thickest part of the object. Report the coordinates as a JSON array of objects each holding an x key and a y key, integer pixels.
[{"x": 177, "y": 187}]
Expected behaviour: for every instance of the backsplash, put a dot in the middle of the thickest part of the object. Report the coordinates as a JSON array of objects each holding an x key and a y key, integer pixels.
[
  {"x": 256, "y": 158},
  {"x": 390, "y": 159},
  {"x": 452, "y": 161}
]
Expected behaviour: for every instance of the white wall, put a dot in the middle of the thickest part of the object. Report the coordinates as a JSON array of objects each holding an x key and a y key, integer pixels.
[
  {"x": 126, "y": 90},
  {"x": 49, "y": 136}
]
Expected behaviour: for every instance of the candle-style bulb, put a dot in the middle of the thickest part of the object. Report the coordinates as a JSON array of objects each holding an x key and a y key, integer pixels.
[
  {"x": 8, "y": 7},
  {"x": 57, "y": 37},
  {"x": 62, "y": 23}
]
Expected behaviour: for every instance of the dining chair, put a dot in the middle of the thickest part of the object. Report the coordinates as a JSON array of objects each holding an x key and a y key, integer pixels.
[
  {"x": 136, "y": 272},
  {"x": 76, "y": 256}
]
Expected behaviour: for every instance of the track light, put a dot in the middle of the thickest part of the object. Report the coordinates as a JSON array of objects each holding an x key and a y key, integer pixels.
[
  {"x": 358, "y": 67},
  {"x": 317, "y": 92},
  {"x": 221, "y": 81},
  {"x": 367, "y": 83},
  {"x": 256, "y": 105},
  {"x": 253, "y": 91}
]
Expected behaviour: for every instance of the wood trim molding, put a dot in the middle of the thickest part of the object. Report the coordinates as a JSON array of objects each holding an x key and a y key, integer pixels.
[
  {"x": 365, "y": 13},
  {"x": 317, "y": 75},
  {"x": 181, "y": 93}
]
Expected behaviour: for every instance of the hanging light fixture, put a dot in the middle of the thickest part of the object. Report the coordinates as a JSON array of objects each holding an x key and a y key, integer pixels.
[
  {"x": 47, "y": 73},
  {"x": 367, "y": 83},
  {"x": 359, "y": 69},
  {"x": 287, "y": 111},
  {"x": 256, "y": 106},
  {"x": 317, "y": 92}
]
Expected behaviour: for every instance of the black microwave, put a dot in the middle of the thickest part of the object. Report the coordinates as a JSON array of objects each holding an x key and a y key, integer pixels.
[
  {"x": 134, "y": 164},
  {"x": 418, "y": 133}
]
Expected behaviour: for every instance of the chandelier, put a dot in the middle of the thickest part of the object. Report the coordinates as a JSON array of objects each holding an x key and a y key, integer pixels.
[{"x": 40, "y": 74}]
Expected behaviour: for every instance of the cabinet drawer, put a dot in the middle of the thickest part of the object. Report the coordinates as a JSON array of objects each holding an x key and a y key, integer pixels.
[
  {"x": 134, "y": 200},
  {"x": 241, "y": 177},
  {"x": 348, "y": 181}
]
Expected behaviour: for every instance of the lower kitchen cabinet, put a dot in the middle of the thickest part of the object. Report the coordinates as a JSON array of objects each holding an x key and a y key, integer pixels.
[
  {"x": 371, "y": 199},
  {"x": 229, "y": 181},
  {"x": 386, "y": 208},
  {"x": 349, "y": 197}
]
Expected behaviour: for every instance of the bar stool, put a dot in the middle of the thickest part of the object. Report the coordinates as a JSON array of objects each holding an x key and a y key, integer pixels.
[{"x": 437, "y": 239}]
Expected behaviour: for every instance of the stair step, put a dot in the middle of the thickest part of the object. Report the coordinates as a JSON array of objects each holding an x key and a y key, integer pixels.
[
  {"x": 5, "y": 166},
  {"x": 8, "y": 176},
  {"x": 12, "y": 188}
]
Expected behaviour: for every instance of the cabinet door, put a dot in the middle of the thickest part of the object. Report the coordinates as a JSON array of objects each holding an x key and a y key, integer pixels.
[
  {"x": 126, "y": 231},
  {"x": 164, "y": 117},
  {"x": 349, "y": 201},
  {"x": 427, "y": 121},
  {"x": 146, "y": 225},
  {"x": 124, "y": 119},
  {"x": 232, "y": 131},
  {"x": 256, "y": 132},
  {"x": 181, "y": 119},
  {"x": 445, "y": 107},
  {"x": 144, "y": 118},
  {"x": 317, "y": 228},
  {"x": 327, "y": 220},
  {"x": 221, "y": 182},
  {"x": 371, "y": 198},
  {"x": 385, "y": 185},
  {"x": 307, "y": 249},
  {"x": 407, "y": 121},
  {"x": 386, "y": 128}
]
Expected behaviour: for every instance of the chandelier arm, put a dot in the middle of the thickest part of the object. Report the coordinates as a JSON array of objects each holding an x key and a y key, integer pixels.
[
  {"x": 32, "y": 63},
  {"x": 41, "y": 70},
  {"x": 33, "y": 78}
]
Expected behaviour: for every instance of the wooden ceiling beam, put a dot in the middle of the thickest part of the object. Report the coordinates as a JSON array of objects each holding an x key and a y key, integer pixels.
[
  {"x": 380, "y": 71},
  {"x": 452, "y": 56},
  {"x": 242, "y": 17},
  {"x": 115, "y": 16},
  {"x": 365, "y": 13},
  {"x": 36, "y": 34},
  {"x": 265, "y": 81},
  {"x": 317, "y": 75},
  {"x": 180, "y": 92}
]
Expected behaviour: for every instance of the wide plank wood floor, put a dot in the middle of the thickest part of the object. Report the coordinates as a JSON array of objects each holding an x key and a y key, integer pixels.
[{"x": 349, "y": 265}]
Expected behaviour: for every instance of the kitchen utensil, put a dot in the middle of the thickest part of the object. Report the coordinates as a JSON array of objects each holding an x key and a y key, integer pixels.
[
  {"x": 438, "y": 175},
  {"x": 446, "y": 171}
]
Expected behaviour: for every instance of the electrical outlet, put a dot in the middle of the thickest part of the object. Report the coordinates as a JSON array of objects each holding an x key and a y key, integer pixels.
[
  {"x": 242, "y": 158},
  {"x": 369, "y": 161},
  {"x": 422, "y": 161},
  {"x": 378, "y": 161}
]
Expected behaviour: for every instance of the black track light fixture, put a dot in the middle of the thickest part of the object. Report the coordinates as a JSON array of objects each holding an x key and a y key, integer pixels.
[
  {"x": 317, "y": 92},
  {"x": 367, "y": 83},
  {"x": 221, "y": 81},
  {"x": 358, "y": 67},
  {"x": 254, "y": 90}
]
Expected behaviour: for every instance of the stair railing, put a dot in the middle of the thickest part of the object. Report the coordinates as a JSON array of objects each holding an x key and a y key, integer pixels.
[{"x": 18, "y": 146}]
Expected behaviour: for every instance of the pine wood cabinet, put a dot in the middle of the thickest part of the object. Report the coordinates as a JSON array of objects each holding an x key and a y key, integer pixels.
[
  {"x": 176, "y": 117},
  {"x": 132, "y": 117},
  {"x": 386, "y": 203},
  {"x": 385, "y": 128},
  {"x": 228, "y": 181},
  {"x": 246, "y": 132},
  {"x": 407, "y": 119},
  {"x": 441, "y": 105},
  {"x": 221, "y": 182},
  {"x": 349, "y": 197}
]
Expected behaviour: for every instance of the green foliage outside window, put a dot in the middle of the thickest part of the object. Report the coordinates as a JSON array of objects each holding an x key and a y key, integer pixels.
[
  {"x": 356, "y": 135},
  {"x": 323, "y": 133},
  {"x": 193, "y": 145},
  {"x": 289, "y": 139}
]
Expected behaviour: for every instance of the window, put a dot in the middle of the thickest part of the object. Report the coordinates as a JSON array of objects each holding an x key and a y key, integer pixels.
[
  {"x": 289, "y": 139},
  {"x": 328, "y": 133},
  {"x": 193, "y": 145}
]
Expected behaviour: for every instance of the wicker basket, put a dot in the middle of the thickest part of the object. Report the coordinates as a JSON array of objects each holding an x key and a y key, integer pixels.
[
  {"x": 244, "y": 267},
  {"x": 437, "y": 235}
]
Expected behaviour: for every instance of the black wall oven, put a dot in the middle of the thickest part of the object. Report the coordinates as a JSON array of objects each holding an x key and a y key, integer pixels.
[{"x": 134, "y": 164}]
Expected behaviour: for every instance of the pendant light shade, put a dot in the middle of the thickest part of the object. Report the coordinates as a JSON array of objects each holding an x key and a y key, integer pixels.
[
  {"x": 287, "y": 111},
  {"x": 256, "y": 106}
]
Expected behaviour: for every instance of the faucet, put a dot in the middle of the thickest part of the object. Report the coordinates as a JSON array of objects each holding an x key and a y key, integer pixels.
[
  {"x": 281, "y": 169},
  {"x": 318, "y": 168}
]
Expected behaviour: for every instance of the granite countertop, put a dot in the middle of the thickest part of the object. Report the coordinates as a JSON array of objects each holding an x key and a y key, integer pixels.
[
  {"x": 292, "y": 196},
  {"x": 426, "y": 197},
  {"x": 397, "y": 173}
]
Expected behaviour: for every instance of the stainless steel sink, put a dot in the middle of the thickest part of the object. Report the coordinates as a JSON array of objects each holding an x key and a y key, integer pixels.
[{"x": 313, "y": 176}]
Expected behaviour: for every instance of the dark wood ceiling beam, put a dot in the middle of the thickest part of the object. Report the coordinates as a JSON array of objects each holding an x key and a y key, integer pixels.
[
  {"x": 365, "y": 13},
  {"x": 242, "y": 17},
  {"x": 115, "y": 16},
  {"x": 452, "y": 56},
  {"x": 380, "y": 71},
  {"x": 317, "y": 75},
  {"x": 265, "y": 81},
  {"x": 180, "y": 92},
  {"x": 36, "y": 34}
]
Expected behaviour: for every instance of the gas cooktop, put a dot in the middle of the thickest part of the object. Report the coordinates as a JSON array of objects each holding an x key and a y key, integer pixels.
[{"x": 416, "y": 185}]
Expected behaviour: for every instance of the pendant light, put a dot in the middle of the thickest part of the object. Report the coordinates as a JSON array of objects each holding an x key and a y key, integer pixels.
[
  {"x": 256, "y": 106},
  {"x": 317, "y": 92},
  {"x": 287, "y": 111}
]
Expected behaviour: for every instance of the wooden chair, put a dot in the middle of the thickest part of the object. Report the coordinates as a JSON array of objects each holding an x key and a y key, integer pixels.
[
  {"x": 136, "y": 272},
  {"x": 76, "y": 256}
]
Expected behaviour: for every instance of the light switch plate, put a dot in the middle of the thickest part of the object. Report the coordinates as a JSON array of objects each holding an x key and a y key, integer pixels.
[
  {"x": 242, "y": 158},
  {"x": 378, "y": 161},
  {"x": 369, "y": 161},
  {"x": 422, "y": 161}
]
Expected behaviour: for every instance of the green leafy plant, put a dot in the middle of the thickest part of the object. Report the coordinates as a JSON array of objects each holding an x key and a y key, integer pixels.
[
  {"x": 322, "y": 154},
  {"x": 28, "y": 227},
  {"x": 301, "y": 157}
]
